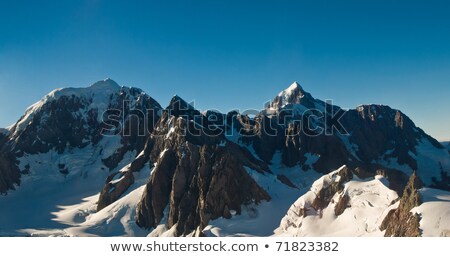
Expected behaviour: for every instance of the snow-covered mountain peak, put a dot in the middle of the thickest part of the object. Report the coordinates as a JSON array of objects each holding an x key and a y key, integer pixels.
[
  {"x": 291, "y": 89},
  {"x": 294, "y": 97},
  {"x": 103, "y": 88},
  {"x": 99, "y": 96},
  {"x": 99, "y": 89},
  {"x": 105, "y": 84}
]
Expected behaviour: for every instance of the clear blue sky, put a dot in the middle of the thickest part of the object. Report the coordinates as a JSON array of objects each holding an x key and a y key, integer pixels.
[{"x": 230, "y": 54}]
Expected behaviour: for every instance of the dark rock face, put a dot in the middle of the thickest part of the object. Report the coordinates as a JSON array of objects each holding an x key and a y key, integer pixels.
[
  {"x": 285, "y": 180},
  {"x": 46, "y": 131},
  {"x": 266, "y": 135},
  {"x": 342, "y": 204},
  {"x": 401, "y": 222},
  {"x": 376, "y": 129},
  {"x": 205, "y": 184},
  {"x": 156, "y": 196},
  {"x": 325, "y": 195},
  {"x": 376, "y": 133},
  {"x": 442, "y": 183},
  {"x": 112, "y": 191},
  {"x": 260, "y": 135},
  {"x": 197, "y": 178},
  {"x": 9, "y": 172}
]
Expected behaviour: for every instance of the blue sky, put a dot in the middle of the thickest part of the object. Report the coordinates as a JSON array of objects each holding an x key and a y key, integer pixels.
[{"x": 233, "y": 55}]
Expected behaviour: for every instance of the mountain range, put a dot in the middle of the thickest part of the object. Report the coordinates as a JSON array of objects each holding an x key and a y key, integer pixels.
[{"x": 108, "y": 160}]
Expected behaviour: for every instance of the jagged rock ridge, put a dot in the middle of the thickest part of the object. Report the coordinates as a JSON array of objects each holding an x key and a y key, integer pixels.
[{"x": 401, "y": 222}]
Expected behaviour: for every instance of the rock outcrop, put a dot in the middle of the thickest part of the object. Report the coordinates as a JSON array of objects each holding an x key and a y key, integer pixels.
[
  {"x": 196, "y": 179},
  {"x": 401, "y": 222},
  {"x": 9, "y": 172},
  {"x": 118, "y": 183},
  {"x": 324, "y": 196}
]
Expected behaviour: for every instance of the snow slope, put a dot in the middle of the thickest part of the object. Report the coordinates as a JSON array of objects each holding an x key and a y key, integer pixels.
[
  {"x": 116, "y": 219},
  {"x": 434, "y": 212},
  {"x": 67, "y": 206},
  {"x": 369, "y": 203},
  {"x": 50, "y": 189}
]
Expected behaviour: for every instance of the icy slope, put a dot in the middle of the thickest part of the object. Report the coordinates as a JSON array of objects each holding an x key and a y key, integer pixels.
[
  {"x": 434, "y": 212},
  {"x": 360, "y": 208},
  {"x": 368, "y": 202},
  {"x": 44, "y": 189}
]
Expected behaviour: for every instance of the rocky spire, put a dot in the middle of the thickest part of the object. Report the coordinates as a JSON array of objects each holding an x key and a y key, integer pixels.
[{"x": 401, "y": 222}]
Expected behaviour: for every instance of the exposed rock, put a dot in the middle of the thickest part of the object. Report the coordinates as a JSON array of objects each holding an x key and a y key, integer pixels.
[
  {"x": 112, "y": 191},
  {"x": 9, "y": 173},
  {"x": 331, "y": 151},
  {"x": 401, "y": 222},
  {"x": 285, "y": 180},
  {"x": 116, "y": 184},
  {"x": 342, "y": 204},
  {"x": 202, "y": 185},
  {"x": 377, "y": 129},
  {"x": 323, "y": 198},
  {"x": 398, "y": 119},
  {"x": 443, "y": 182},
  {"x": 196, "y": 179},
  {"x": 268, "y": 136},
  {"x": 291, "y": 150},
  {"x": 74, "y": 118}
]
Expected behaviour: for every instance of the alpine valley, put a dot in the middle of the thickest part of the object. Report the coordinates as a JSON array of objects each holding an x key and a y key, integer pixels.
[{"x": 108, "y": 160}]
